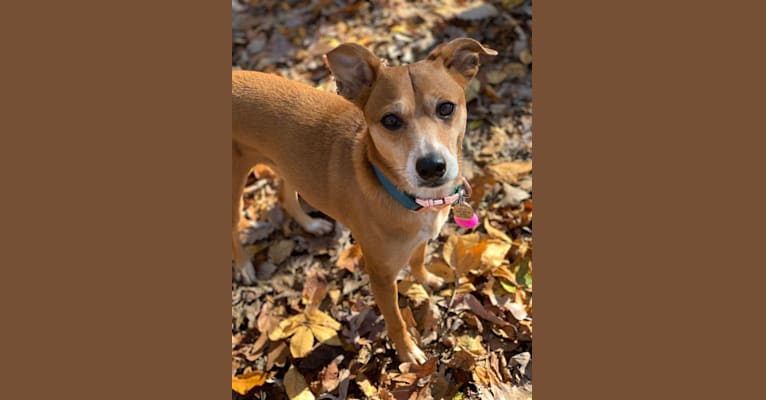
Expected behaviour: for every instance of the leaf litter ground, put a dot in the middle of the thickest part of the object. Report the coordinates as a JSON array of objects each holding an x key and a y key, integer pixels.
[{"x": 310, "y": 328}]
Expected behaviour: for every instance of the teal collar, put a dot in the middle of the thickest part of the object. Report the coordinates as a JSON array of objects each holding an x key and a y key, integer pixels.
[{"x": 411, "y": 202}]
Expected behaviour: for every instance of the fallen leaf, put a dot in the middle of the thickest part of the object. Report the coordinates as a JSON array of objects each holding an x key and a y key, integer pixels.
[
  {"x": 494, "y": 253},
  {"x": 277, "y": 356},
  {"x": 510, "y": 172},
  {"x": 349, "y": 257},
  {"x": 280, "y": 250},
  {"x": 319, "y": 318},
  {"x": 471, "y": 344},
  {"x": 494, "y": 232},
  {"x": 326, "y": 335},
  {"x": 315, "y": 288},
  {"x": 478, "y": 309},
  {"x": 244, "y": 383},
  {"x": 442, "y": 270},
  {"x": 328, "y": 377},
  {"x": 302, "y": 342},
  {"x": 366, "y": 387},
  {"x": 464, "y": 252},
  {"x": 295, "y": 385},
  {"x": 415, "y": 291},
  {"x": 286, "y": 328}
]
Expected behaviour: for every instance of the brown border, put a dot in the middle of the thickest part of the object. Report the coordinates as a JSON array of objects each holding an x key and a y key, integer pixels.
[
  {"x": 115, "y": 264},
  {"x": 641, "y": 186}
]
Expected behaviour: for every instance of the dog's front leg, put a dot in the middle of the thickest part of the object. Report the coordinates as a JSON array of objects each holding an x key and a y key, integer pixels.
[{"x": 383, "y": 283}]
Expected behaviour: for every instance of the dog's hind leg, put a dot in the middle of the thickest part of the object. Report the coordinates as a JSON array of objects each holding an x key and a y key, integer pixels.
[
  {"x": 418, "y": 269},
  {"x": 316, "y": 226},
  {"x": 243, "y": 267}
]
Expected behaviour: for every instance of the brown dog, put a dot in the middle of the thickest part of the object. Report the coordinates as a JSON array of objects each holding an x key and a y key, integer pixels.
[{"x": 388, "y": 146}]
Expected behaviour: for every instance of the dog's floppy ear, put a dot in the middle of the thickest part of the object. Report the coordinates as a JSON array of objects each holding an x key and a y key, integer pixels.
[
  {"x": 354, "y": 68},
  {"x": 461, "y": 58}
]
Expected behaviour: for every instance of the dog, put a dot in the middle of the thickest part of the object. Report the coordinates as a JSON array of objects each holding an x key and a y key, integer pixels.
[{"x": 383, "y": 157}]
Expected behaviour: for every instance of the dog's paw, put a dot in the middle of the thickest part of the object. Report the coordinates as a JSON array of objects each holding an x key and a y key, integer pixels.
[
  {"x": 428, "y": 278},
  {"x": 433, "y": 281},
  {"x": 318, "y": 226},
  {"x": 246, "y": 274},
  {"x": 410, "y": 352}
]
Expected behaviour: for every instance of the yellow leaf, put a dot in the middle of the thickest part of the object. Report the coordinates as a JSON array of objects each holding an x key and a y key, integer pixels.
[
  {"x": 442, "y": 270},
  {"x": 244, "y": 383},
  {"x": 503, "y": 272},
  {"x": 319, "y": 318},
  {"x": 302, "y": 342},
  {"x": 494, "y": 232},
  {"x": 471, "y": 344},
  {"x": 295, "y": 385},
  {"x": 415, "y": 291},
  {"x": 494, "y": 254},
  {"x": 325, "y": 335},
  {"x": 464, "y": 288},
  {"x": 366, "y": 387},
  {"x": 464, "y": 252},
  {"x": 286, "y": 328}
]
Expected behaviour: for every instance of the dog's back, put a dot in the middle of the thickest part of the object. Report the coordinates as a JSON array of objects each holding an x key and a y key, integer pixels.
[{"x": 275, "y": 111}]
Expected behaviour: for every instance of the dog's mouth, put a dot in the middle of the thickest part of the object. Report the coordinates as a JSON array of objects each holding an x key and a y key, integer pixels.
[
  {"x": 432, "y": 190},
  {"x": 432, "y": 184}
]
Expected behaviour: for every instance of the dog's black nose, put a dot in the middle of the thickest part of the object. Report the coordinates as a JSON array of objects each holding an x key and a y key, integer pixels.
[{"x": 431, "y": 167}]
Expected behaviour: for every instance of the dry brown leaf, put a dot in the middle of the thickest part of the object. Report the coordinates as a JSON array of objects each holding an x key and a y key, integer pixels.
[
  {"x": 478, "y": 309},
  {"x": 315, "y": 288},
  {"x": 246, "y": 382},
  {"x": 266, "y": 322},
  {"x": 463, "y": 360},
  {"x": 328, "y": 377},
  {"x": 277, "y": 356},
  {"x": 494, "y": 232},
  {"x": 420, "y": 371},
  {"x": 510, "y": 172},
  {"x": 295, "y": 385},
  {"x": 279, "y": 251},
  {"x": 349, "y": 257},
  {"x": 517, "y": 310},
  {"x": 302, "y": 342}
]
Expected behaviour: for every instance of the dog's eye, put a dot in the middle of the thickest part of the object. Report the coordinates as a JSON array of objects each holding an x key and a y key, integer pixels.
[
  {"x": 445, "y": 109},
  {"x": 391, "y": 122}
]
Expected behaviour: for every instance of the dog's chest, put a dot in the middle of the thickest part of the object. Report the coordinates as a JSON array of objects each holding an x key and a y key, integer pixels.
[{"x": 432, "y": 223}]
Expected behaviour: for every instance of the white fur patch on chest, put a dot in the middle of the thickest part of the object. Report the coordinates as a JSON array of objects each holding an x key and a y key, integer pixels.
[{"x": 432, "y": 224}]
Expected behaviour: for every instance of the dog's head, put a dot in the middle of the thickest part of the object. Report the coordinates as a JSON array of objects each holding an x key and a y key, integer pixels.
[{"x": 416, "y": 113}]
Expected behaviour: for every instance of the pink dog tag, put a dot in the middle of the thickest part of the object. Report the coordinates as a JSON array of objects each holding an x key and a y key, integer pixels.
[{"x": 467, "y": 223}]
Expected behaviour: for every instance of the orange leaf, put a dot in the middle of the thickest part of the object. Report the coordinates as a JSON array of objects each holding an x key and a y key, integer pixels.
[
  {"x": 244, "y": 383},
  {"x": 349, "y": 257}
]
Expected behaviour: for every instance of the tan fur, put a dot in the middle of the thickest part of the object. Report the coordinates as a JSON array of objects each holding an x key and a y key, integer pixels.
[{"x": 321, "y": 144}]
